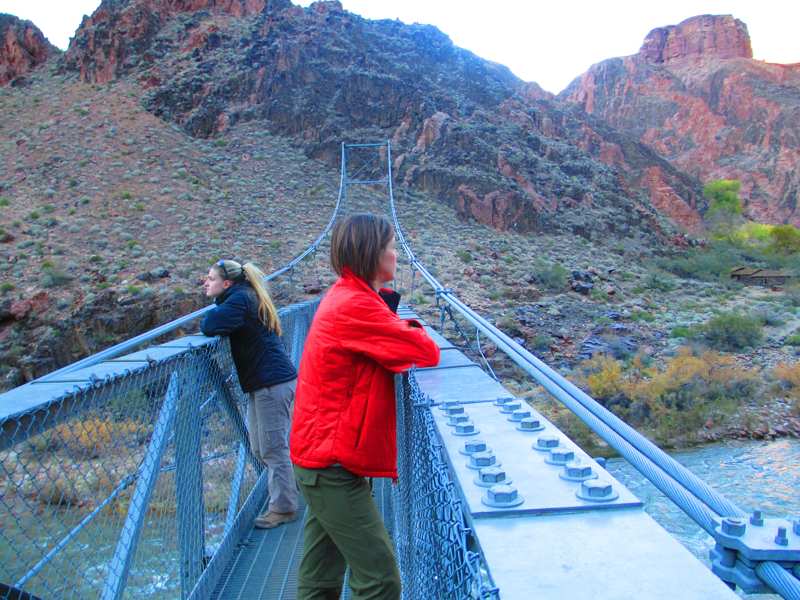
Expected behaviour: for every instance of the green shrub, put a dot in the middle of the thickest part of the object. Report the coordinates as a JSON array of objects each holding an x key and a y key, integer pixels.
[
  {"x": 793, "y": 340},
  {"x": 658, "y": 282},
  {"x": 6, "y": 287},
  {"x": 707, "y": 264},
  {"x": 785, "y": 239},
  {"x": 4, "y": 202},
  {"x": 464, "y": 255},
  {"x": 681, "y": 331},
  {"x": 33, "y": 215},
  {"x": 732, "y": 331},
  {"x": 52, "y": 276},
  {"x": 551, "y": 276}
]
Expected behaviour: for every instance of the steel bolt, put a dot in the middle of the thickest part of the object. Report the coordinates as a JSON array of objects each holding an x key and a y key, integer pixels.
[
  {"x": 444, "y": 406},
  {"x": 560, "y": 456},
  {"x": 733, "y": 526},
  {"x": 782, "y": 539},
  {"x": 465, "y": 428},
  {"x": 502, "y": 496},
  {"x": 503, "y": 400},
  {"x": 757, "y": 518},
  {"x": 530, "y": 424},
  {"x": 453, "y": 409},
  {"x": 492, "y": 475},
  {"x": 473, "y": 446},
  {"x": 597, "y": 489},
  {"x": 600, "y": 460},
  {"x": 457, "y": 418},
  {"x": 545, "y": 442},
  {"x": 510, "y": 407},
  {"x": 519, "y": 414},
  {"x": 577, "y": 471},
  {"x": 478, "y": 460}
]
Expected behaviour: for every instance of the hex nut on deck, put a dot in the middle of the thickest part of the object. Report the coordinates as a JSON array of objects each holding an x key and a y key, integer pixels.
[
  {"x": 597, "y": 490},
  {"x": 544, "y": 443},
  {"x": 510, "y": 407},
  {"x": 465, "y": 428},
  {"x": 559, "y": 456},
  {"x": 491, "y": 476},
  {"x": 480, "y": 460},
  {"x": 530, "y": 424},
  {"x": 473, "y": 446},
  {"x": 575, "y": 470},
  {"x": 519, "y": 414},
  {"x": 503, "y": 400},
  {"x": 457, "y": 418},
  {"x": 502, "y": 496}
]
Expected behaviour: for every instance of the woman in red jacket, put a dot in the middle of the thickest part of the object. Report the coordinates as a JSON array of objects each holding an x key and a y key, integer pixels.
[{"x": 344, "y": 424}]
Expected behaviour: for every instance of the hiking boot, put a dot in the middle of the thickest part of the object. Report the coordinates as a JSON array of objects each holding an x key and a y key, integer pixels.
[{"x": 272, "y": 519}]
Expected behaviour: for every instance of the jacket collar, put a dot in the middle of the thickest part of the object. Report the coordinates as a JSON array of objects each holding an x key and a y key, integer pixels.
[
  {"x": 352, "y": 279},
  {"x": 227, "y": 293}
]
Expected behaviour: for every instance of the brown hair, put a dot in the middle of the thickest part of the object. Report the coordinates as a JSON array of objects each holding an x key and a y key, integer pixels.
[
  {"x": 357, "y": 243},
  {"x": 233, "y": 271}
]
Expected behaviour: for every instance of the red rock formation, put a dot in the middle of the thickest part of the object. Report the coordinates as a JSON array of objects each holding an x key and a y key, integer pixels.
[
  {"x": 23, "y": 47},
  {"x": 699, "y": 38},
  {"x": 694, "y": 94},
  {"x": 100, "y": 53}
]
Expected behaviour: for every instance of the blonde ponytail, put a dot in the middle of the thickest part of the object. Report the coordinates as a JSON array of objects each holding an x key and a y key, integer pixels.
[{"x": 266, "y": 308}]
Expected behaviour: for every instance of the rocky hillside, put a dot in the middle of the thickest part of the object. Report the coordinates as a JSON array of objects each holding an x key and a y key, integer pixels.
[
  {"x": 694, "y": 94},
  {"x": 464, "y": 129},
  {"x": 22, "y": 49}
]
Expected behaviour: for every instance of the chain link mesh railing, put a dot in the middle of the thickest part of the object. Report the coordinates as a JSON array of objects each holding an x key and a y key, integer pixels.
[
  {"x": 436, "y": 550},
  {"x": 131, "y": 485}
]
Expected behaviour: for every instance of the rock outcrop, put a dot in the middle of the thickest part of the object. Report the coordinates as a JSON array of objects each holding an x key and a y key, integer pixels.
[
  {"x": 23, "y": 47},
  {"x": 694, "y": 94},
  {"x": 467, "y": 130}
]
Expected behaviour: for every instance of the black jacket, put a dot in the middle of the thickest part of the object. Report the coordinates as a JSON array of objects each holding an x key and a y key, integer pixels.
[{"x": 259, "y": 354}]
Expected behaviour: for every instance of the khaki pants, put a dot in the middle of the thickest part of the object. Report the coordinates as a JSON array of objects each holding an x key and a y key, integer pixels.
[
  {"x": 269, "y": 416},
  {"x": 343, "y": 528}
]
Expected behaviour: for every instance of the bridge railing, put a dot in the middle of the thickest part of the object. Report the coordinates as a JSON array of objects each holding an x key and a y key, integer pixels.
[
  {"x": 140, "y": 481},
  {"x": 436, "y": 549}
]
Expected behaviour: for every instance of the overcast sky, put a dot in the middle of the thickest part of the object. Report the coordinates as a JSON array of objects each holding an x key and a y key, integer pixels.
[{"x": 550, "y": 43}]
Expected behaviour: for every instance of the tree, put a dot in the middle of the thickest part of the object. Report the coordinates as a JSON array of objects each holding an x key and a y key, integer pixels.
[
  {"x": 785, "y": 239},
  {"x": 724, "y": 206}
]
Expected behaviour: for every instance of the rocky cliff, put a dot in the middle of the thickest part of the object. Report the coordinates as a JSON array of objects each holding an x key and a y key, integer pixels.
[
  {"x": 23, "y": 47},
  {"x": 694, "y": 94},
  {"x": 465, "y": 129}
]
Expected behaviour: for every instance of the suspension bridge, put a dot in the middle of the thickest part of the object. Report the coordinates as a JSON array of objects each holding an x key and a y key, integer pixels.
[{"x": 129, "y": 473}]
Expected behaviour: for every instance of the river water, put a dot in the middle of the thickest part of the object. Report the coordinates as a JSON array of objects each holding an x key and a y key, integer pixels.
[{"x": 754, "y": 475}]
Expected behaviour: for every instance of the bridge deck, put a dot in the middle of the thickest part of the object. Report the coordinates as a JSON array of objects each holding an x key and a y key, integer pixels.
[
  {"x": 265, "y": 565},
  {"x": 572, "y": 548}
]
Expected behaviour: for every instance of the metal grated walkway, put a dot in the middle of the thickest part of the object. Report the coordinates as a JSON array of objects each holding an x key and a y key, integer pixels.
[{"x": 265, "y": 565}]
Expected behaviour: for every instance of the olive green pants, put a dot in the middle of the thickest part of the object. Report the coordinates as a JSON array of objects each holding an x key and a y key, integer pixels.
[{"x": 343, "y": 528}]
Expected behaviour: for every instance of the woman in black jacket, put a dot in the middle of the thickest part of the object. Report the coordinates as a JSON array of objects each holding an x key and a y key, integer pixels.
[{"x": 246, "y": 314}]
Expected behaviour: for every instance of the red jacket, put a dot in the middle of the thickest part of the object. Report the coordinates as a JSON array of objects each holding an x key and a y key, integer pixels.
[{"x": 344, "y": 410}]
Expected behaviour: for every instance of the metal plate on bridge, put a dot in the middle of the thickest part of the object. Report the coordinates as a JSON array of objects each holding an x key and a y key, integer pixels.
[
  {"x": 539, "y": 483},
  {"x": 189, "y": 341},
  {"x": 98, "y": 371},
  {"x": 450, "y": 358},
  {"x": 438, "y": 338},
  {"x": 32, "y": 396},
  {"x": 467, "y": 384},
  {"x": 603, "y": 555}
]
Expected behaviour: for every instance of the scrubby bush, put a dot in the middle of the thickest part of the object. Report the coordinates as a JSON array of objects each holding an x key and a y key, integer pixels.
[
  {"x": 785, "y": 239},
  {"x": 788, "y": 376},
  {"x": 551, "y": 276},
  {"x": 53, "y": 276},
  {"x": 707, "y": 264},
  {"x": 732, "y": 332},
  {"x": 675, "y": 399},
  {"x": 464, "y": 255}
]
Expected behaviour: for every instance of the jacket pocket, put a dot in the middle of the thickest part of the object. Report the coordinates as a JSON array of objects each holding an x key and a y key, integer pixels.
[{"x": 361, "y": 421}]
